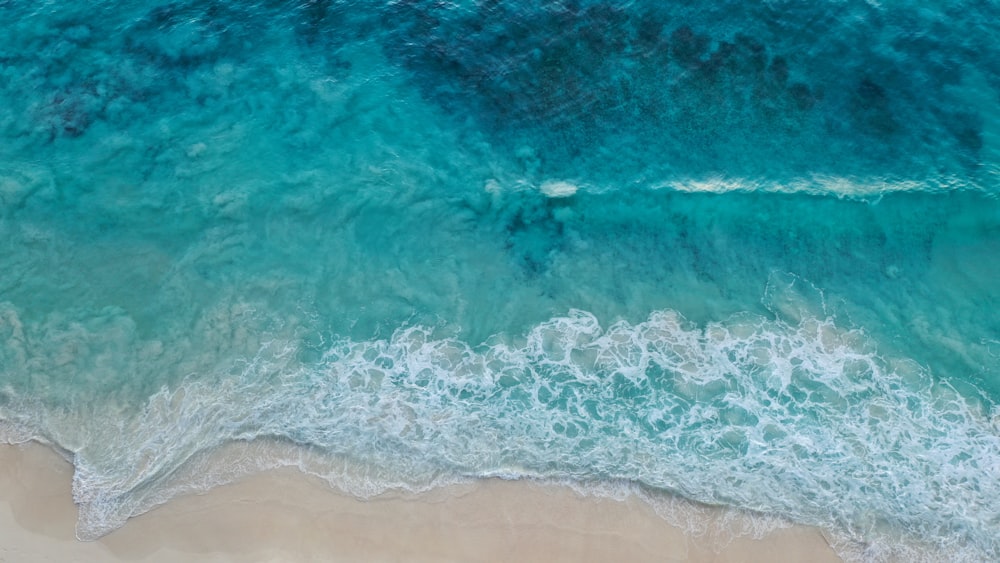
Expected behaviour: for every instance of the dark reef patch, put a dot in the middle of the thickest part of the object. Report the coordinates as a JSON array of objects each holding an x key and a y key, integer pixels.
[
  {"x": 605, "y": 92},
  {"x": 531, "y": 231},
  {"x": 187, "y": 34},
  {"x": 734, "y": 92}
]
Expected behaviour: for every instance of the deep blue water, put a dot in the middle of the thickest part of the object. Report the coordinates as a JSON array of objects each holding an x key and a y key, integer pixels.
[{"x": 746, "y": 254}]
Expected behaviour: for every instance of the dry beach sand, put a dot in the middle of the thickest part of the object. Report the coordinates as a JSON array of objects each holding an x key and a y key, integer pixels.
[{"x": 285, "y": 516}]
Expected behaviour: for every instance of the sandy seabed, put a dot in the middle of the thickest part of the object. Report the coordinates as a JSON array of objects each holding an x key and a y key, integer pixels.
[{"x": 284, "y": 515}]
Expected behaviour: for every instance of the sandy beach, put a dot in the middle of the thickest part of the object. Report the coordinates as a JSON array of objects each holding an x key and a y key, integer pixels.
[{"x": 285, "y": 516}]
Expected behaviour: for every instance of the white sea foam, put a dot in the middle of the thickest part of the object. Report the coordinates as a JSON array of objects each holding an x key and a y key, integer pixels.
[
  {"x": 821, "y": 185},
  {"x": 797, "y": 417},
  {"x": 558, "y": 188}
]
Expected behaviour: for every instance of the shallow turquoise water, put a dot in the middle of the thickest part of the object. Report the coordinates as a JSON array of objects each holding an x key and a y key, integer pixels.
[{"x": 745, "y": 254}]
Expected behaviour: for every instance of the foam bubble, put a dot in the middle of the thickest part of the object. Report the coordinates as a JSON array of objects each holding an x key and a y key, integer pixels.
[{"x": 558, "y": 188}]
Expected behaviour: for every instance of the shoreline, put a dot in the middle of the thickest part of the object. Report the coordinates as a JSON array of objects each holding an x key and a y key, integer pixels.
[{"x": 285, "y": 515}]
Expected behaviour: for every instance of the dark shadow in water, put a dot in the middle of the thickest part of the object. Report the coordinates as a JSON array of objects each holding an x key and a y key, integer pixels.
[{"x": 848, "y": 91}]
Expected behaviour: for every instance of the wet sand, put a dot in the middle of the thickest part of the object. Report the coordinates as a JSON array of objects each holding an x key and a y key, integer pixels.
[{"x": 283, "y": 515}]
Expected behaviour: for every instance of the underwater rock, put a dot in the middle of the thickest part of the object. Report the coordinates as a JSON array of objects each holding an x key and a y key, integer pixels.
[{"x": 687, "y": 47}]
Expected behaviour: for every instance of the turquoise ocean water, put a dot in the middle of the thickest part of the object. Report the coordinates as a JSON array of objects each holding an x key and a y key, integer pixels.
[{"x": 741, "y": 253}]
